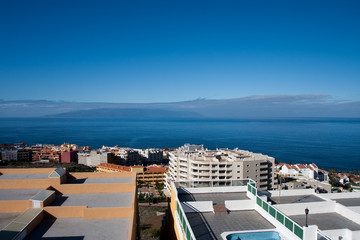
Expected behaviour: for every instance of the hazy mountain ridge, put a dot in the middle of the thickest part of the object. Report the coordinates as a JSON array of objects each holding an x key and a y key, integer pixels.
[{"x": 254, "y": 106}]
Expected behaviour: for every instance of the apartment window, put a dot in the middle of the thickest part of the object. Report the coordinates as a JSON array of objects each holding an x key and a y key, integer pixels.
[
  {"x": 247, "y": 171},
  {"x": 255, "y": 175},
  {"x": 247, "y": 165},
  {"x": 256, "y": 164},
  {"x": 238, "y": 171},
  {"x": 238, "y": 177},
  {"x": 238, "y": 165},
  {"x": 256, "y": 170}
]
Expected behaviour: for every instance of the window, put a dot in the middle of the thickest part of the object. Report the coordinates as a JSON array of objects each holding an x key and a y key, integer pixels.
[
  {"x": 247, "y": 171},
  {"x": 247, "y": 165},
  {"x": 256, "y": 164},
  {"x": 255, "y": 175},
  {"x": 238, "y": 165},
  {"x": 238, "y": 171},
  {"x": 238, "y": 177}
]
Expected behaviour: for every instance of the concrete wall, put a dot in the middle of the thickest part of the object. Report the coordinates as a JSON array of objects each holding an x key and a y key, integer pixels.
[
  {"x": 348, "y": 213},
  {"x": 198, "y": 206},
  {"x": 213, "y": 189},
  {"x": 236, "y": 205},
  {"x": 296, "y": 192},
  {"x": 65, "y": 212},
  {"x": 314, "y": 207},
  {"x": 14, "y": 206}
]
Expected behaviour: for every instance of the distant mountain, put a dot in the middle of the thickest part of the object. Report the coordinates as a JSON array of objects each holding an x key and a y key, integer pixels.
[
  {"x": 265, "y": 106},
  {"x": 127, "y": 113}
]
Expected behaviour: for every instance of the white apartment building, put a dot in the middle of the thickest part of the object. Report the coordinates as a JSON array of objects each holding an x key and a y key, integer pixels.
[{"x": 210, "y": 165}]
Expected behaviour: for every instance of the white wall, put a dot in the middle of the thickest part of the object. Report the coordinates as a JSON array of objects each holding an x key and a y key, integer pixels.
[
  {"x": 198, "y": 206},
  {"x": 235, "y": 205},
  {"x": 295, "y": 192},
  {"x": 342, "y": 195},
  {"x": 281, "y": 228},
  {"x": 348, "y": 213},
  {"x": 314, "y": 207},
  {"x": 212, "y": 189},
  {"x": 346, "y": 234}
]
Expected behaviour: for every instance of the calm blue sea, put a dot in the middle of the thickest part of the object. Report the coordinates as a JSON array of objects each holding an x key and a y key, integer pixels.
[{"x": 330, "y": 143}]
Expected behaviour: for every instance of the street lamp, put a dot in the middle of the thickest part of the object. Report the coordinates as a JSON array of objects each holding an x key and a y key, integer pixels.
[{"x": 306, "y": 216}]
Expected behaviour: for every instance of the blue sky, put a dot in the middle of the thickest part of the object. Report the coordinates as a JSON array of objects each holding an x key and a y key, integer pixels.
[{"x": 165, "y": 51}]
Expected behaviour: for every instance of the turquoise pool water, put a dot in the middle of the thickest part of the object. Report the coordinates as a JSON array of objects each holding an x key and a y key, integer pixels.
[{"x": 270, "y": 235}]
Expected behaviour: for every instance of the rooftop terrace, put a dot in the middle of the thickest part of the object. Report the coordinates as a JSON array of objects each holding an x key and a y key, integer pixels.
[
  {"x": 209, "y": 225},
  {"x": 327, "y": 221}
]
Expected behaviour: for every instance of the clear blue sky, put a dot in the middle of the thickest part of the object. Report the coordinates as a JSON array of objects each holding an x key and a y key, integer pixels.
[{"x": 161, "y": 51}]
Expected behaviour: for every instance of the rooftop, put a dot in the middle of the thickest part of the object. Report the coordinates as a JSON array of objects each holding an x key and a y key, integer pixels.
[
  {"x": 296, "y": 199},
  {"x": 18, "y": 194},
  {"x": 24, "y": 176},
  {"x": 217, "y": 198},
  {"x": 327, "y": 221},
  {"x": 63, "y": 228},
  {"x": 209, "y": 225},
  {"x": 95, "y": 200},
  {"x": 101, "y": 180},
  {"x": 6, "y": 218}
]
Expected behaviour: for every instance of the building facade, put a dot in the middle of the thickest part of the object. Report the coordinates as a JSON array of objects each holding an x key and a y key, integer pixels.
[{"x": 221, "y": 165}]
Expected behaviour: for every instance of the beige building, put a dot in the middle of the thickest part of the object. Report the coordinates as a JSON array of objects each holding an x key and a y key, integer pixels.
[
  {"x": 220, "y": 165},
  {"x": 49, "y": 203}
]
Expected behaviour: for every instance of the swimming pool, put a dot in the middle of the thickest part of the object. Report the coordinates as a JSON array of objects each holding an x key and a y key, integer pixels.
[{"x": 267, "y": 235}]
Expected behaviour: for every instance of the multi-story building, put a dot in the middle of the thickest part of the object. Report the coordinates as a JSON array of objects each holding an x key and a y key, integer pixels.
[
  {"x": 69, "y": 156},
  {"x": 24, "y": 155},
  {"x": 128, "y": 156},
  {"x": 151, "y": 155},
  {"x": 49, "y": 203},
  {"x": 220, "y": 165},
  {"x": 150, "y": 174},
  {"x": 93, "y": 158},
  {"x": 46, "y": 152},
  {"x": 9, "y": 155}
]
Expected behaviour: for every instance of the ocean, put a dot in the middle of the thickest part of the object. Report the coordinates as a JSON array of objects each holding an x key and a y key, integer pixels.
[{"x": 329, "y": 143}]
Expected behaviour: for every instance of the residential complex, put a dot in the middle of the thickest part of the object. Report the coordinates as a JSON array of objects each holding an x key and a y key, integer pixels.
[
  {"x": 219, "y": 165},
  {"x": 150, "y": 174},
  {"x": 44, "y": 203}
]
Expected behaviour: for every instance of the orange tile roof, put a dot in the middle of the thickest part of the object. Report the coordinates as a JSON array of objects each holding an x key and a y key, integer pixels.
[
  {"x": 115, "y": 167},
  {"x": 157, "y": 168}
]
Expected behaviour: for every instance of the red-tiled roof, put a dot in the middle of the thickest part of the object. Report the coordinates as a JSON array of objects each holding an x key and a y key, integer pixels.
[
  {"x": 157, "y": 168},
  {"x": 301, "y": 166},
  {"x": 115, "y": 166}
]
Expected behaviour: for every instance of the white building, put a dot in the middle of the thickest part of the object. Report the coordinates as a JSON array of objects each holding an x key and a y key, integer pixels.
[{"x": 220, "y": 165}]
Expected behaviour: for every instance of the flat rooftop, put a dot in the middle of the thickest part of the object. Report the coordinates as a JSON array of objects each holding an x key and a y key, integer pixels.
[
  {"x": 209, "y": 225},
  {"x": 327, "y": 221},
  {"x": 6, "y": 218},
  {"x": 217, "y": 198},
  {"x": 23, "y": 176},
  {"x": 101, "y": 180},
  {"x": 17, "y": 194},
  {"x": 95, "y": 200},
  {"x": 349, "y": 202},
  {"x": 295, "y": 199},
  {"x": 79, "y": 229}
]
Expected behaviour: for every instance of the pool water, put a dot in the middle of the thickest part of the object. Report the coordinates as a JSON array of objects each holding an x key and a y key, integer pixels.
[{"x": 270, "y": 235}]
